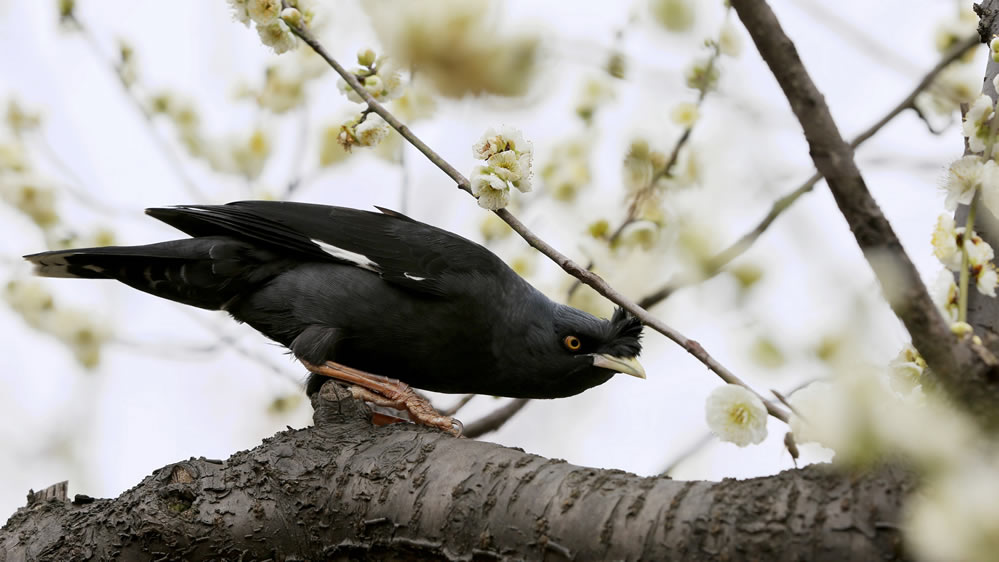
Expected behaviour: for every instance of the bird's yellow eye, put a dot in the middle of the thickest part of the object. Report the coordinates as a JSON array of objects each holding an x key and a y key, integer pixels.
[{"x": 572, "y": 342}]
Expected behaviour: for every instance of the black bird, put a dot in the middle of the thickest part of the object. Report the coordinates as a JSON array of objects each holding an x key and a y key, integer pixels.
[{"x": 353, "y": 292}]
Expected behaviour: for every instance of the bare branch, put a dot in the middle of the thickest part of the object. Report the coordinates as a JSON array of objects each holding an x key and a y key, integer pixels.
[
  {"x": 450, "y": 412},
  {"x": 966, "y": 369},
  {"x": 495, "y": 419},
  {"x": 723, "y": 258},
  {"x": 569, "y": 266}
]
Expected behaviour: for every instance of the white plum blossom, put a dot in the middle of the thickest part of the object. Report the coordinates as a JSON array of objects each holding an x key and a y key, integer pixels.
[
  {"x": 456, "y": 45},
  {"x": 990, "y": 188},
  {"x": 382, "y": 79},
  {"x": 736, "y": 415},
  {"x": 944, "y": 293},
  {"x": 372, "y": 130},
  {"x": 277, "y": 36},
  {"x": 568, "y": 168},
  {"x": 263, "y": 12},
  {"x": 944, "y": 241},
  {"x": 240, "y": 11},
  {"x": 491, "y": 192},
  {"x": 80, "y": 331},
  {"x": 248, "y": 155},
  {"x": 956, "y": 84},
  {"x": 685, "y": 114},
  {"x": 492, "y": 142},
  {"x": 980, "y": 257},
  {"x": 364, "y": 130},
  {"x": 964, "y": 177},
  {"x": 512, "y": 167},
  {"x": 674, "y": 15},
  {"x": 32, "y": 195},
  {"x": 729, "y": 40},
  {"x": 986, "y": 280},
  {"x": 977, "y": 122},
  {"x": 906, "y": 370},
  {"x": 292, "y": 17},
  {"x": 979, "y": 251},
  {"x": 508, "y": 164},
  {"x": 30, "y": 299}
]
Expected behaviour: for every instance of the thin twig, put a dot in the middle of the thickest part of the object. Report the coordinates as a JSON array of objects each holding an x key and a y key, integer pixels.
[
  {"x": 723, "y": 258},
  {"x": 495, "y": 420},
  {"x": 569, "y": 266},
  {"x": 165, "y": 149},
  {"x": 299, "y": 157},
  {"x": 690, "y": 451},
  {"x": 404, "y": 181},
  {"x": 449, "y": 412},
  {"x": 74, "y": 184},
  {"x": 826, "y": 15},
  {"x": 232, "y": 343}
]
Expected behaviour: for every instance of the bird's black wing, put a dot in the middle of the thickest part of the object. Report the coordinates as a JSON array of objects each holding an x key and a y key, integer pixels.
[{"x": 401, "y": 250}]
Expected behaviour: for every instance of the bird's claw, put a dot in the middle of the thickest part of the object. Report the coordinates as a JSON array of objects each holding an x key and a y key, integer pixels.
[{"x": 419, "y": 409}]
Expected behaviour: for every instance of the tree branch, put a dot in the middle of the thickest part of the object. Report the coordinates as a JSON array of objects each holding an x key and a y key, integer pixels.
[
  {"x": 723, "y": 258},
  {"x": 344, "y": 489},
  {"x": 569, "y": 266},
  {"x": 495, "y": 419},
  {"x": 967, "y": 370}
]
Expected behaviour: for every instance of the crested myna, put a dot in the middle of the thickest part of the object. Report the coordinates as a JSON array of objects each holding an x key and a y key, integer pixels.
[{"x": 354, "y": 292}]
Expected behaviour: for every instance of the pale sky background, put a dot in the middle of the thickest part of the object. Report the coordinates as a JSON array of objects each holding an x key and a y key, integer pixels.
[{"x": 157, "y": 399}]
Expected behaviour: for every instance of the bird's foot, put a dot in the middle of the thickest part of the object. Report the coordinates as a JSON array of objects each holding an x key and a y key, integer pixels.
[
  {"x": 417, "y": 407},
  {"x": 390, "y": 393}
]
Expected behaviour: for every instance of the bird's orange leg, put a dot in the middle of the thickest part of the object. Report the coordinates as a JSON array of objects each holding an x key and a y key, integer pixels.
[{"x": 387, "y": 392}]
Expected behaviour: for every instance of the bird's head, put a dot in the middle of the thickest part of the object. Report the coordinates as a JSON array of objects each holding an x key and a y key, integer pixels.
[{"x": 584, "y": 351}]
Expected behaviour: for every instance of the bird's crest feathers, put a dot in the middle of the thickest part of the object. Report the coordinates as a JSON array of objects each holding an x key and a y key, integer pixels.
[{"x": 625, "y": 335}]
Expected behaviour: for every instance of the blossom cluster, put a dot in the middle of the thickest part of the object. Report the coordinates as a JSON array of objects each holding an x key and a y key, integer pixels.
[
  {"x": 78, "y": 330},
  {"x": 568, "y": 169},
  {"x": 379, "y": 76},
  {"x": 283, "y": 87},
  {"x": 508, "y": 165},
  {"x": 960, "y": 82},
  {"x": 245, "y": 154},
  {"x": 456, "y": 45},
  {"x": 21, "y": 186},
  {"x": 951, "y": 245},
  {"x": 272, "y": 20},
  {"x": 367, "y": 129}
]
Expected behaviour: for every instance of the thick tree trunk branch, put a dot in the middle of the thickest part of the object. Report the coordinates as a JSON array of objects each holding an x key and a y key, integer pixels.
[
  {"x": 344, "y": 489},
  {"x": 968, "y": 371}
]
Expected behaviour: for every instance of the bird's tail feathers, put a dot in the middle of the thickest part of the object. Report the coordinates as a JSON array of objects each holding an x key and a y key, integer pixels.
[{"x": 202, "y": 272}]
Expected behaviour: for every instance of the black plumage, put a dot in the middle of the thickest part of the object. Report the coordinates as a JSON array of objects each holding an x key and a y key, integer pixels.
[{"x": 379, "y": 292}]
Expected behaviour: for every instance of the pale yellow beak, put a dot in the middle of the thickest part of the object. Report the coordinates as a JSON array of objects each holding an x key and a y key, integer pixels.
[{"x": 626, "y": 365}]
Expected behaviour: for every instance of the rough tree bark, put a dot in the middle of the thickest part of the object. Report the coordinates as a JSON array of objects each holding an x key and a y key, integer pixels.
[{"x": 344, "y": 489}]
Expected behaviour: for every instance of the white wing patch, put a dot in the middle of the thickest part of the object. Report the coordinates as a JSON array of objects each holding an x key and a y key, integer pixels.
[
  {"x": 413, "y": 277},
  {"x": 360, "y": 260}
]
